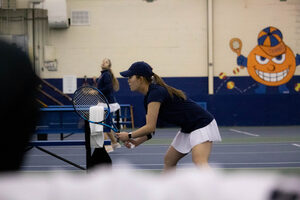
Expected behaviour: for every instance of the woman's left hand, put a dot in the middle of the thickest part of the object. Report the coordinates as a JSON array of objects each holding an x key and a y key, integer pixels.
[{"x": 123, "y": 136}]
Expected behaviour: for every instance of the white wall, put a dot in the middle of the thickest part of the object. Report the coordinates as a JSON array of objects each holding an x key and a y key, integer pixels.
[{"x": 169, "y": 34}]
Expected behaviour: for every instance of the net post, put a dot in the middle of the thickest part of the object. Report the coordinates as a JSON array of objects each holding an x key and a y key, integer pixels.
[{"x": 87, "y": 134}]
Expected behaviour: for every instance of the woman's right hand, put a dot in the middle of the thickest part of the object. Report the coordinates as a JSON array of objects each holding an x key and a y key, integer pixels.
[{"x": 130, "y": 144}]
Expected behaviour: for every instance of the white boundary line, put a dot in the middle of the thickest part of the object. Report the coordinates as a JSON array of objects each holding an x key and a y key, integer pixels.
[
  {"x": 244, "y": 132},
  {"x": 149, "y": 169},
  {"x": 162, "y": 154},
  {"x": 161, "y": 164}
]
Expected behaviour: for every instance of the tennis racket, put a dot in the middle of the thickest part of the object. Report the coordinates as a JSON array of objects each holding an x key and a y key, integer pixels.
[
  {"x": 86, "y": 97},
  {"x": 236, "y": 45}
]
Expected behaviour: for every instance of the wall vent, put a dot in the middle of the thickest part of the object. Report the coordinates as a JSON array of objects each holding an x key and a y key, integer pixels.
[{"x": 80, "y": 18}]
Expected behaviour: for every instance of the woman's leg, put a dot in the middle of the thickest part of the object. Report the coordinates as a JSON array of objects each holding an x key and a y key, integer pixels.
[
  {"x": 114, "y": 142},
  {"x": 201, "y": 153},
  {"x": 108, "y": 148},
  {"x": 112, "y": 137},
  {"x": 109, "y": 134},
  {"x": 171, "y": 158}
]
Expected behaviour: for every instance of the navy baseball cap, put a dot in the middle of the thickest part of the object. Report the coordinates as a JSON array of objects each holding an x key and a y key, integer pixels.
[{"x": 138, "y": 68}]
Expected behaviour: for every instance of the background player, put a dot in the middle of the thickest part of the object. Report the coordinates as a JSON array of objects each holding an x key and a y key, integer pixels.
[{"x": 108, "y": 84}]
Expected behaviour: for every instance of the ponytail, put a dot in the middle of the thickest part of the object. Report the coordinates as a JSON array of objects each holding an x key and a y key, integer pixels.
[
  {"x": 172, "y": 91},
  {"x": 115, "y": 81}
]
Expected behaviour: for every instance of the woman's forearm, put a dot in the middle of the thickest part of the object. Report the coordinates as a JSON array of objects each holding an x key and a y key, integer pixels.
[
  {"x": 141, "y": 140},
  {"x": 143, "y": 131}
]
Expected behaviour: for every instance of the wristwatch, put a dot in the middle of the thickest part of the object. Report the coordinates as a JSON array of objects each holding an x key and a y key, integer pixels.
[{"x": 129, "y": 135}]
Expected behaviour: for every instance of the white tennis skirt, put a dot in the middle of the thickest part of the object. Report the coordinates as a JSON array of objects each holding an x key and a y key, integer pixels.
[{"x": 184, "y": 142}]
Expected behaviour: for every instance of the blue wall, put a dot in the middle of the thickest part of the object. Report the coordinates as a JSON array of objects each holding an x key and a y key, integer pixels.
[{"x": 240, "y": 106}]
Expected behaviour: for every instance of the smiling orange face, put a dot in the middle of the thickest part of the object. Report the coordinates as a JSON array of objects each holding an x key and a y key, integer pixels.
[{"x": 271, "y": 70}]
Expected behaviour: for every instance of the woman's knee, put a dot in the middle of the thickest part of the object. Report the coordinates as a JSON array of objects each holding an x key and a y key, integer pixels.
[
  {"x": 172, "y": 157},
  {"x": 201, "y": 153},
  {"x": 201, "y": 161},
  {"x": 169, "y": 161}
]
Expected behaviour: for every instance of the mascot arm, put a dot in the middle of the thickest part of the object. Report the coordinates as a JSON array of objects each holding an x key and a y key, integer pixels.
[
  {"x": 297, "y": 59},
  {"x": 242, "y": 61}
]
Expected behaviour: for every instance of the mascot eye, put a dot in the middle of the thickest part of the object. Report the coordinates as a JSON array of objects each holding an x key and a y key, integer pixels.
[
  {"x": 279, "y": 59},
  {"x": 262, "y": 60}
]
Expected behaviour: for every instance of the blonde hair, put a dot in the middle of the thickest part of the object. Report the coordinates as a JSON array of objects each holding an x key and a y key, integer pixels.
[
  {"x": 171, "y": 90},
  {"x": 115, "y": 81}
]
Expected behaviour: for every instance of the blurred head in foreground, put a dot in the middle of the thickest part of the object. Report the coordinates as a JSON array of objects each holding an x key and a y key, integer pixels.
[{"x": 19, "y": 108}]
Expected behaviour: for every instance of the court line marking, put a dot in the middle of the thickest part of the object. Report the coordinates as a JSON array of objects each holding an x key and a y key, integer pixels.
[
  {"x": 227, "y": 168},
  {"x": 149, "y": 169},
  {"x": 161, "y": 164},
  {"x": 119, "y": 154},
  {"x": 213, "y": 153},
  {"x": 296, "y": 145},
  {"x": 214, "y": 163},
  {"x": 285, "y": 143},
  {"x": 219, "y": 144},
  {"x": 244, "y": 132},
  {"x": 256, "y": 168},
  {"x": 256, "y": 163},
  {"x": 162, "y": 154}
]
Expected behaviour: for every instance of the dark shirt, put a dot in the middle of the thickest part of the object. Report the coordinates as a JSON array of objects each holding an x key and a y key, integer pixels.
[
  {"x": 186, "y": 114},
  {"x": 105, "y": 85}
]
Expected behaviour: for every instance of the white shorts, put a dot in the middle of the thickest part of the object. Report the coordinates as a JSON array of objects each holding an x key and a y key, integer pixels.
[
  {"x": 185, "y": 142},
  {"x": 114, "y": 107}
]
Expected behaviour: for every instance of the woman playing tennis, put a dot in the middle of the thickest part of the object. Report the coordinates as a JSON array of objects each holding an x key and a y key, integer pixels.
[
  {"x": 108, "y": 85},
  {"x": 163, "y": 102}
]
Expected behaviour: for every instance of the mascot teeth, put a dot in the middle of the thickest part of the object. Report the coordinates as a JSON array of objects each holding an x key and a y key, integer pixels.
[{"x": 272, "y": 77}]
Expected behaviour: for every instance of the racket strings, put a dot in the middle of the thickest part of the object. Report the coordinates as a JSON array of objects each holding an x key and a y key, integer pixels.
[
  {"x": 85, "y": 98},
  {"x": 236, "y": 45}
]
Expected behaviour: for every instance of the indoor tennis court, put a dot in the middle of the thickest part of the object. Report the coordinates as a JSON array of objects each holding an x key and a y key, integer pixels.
[
  {"x": 233, "y": 62},
  {"x": 242, "y": 148}
]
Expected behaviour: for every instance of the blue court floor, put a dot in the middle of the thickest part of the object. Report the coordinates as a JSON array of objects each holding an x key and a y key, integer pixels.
[{"x": 263, "y": 148}]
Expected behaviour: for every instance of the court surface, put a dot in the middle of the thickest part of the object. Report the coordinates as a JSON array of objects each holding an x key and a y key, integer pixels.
[{"x": 251, "y": 148}]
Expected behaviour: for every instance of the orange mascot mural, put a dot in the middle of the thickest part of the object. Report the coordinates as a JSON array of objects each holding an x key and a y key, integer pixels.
[{"x": 271, "y": 62}]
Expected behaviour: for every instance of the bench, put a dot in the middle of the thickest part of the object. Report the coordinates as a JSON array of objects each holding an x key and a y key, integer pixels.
[{"x": 125, "y": 117}]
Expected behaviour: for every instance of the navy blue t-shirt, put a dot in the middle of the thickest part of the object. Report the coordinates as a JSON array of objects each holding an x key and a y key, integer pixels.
[
  {"x": 105, "y": 85},
  {"x": 186, "y": 114}
]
